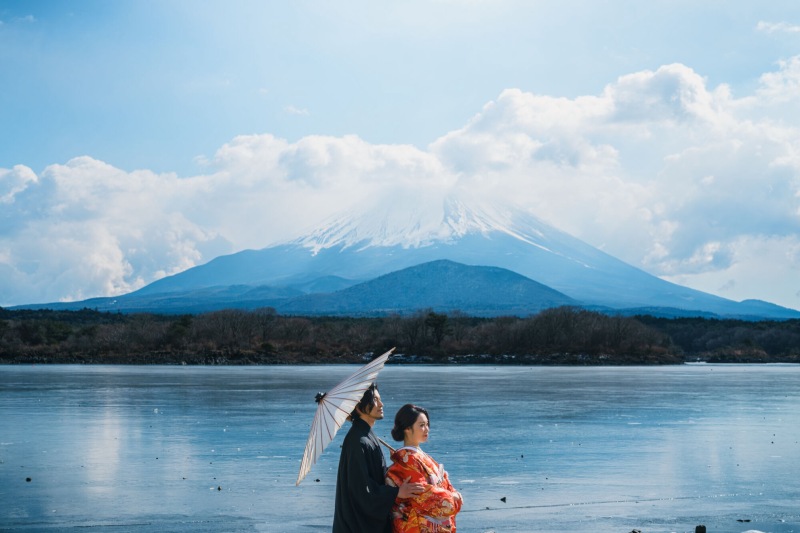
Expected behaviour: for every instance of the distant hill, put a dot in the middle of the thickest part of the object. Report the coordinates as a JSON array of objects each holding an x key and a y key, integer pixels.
[{"x": 440, "y": 285}]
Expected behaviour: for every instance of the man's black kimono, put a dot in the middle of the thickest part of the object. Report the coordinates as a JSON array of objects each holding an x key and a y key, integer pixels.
[{"x": 363, "y": 500}]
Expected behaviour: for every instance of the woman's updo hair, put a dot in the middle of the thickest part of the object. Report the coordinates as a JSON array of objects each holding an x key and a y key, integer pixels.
[{"x": 405, "y": 418}]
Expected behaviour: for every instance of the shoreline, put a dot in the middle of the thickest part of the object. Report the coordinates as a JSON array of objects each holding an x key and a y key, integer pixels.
[{"x": 579, "y": 360}]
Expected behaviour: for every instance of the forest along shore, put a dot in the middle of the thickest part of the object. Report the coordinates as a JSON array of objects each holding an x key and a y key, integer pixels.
[{"x": 559, "y": 336}]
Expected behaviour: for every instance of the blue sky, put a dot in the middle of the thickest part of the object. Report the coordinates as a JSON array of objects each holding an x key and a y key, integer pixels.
[{"x": 141, "y": 138}]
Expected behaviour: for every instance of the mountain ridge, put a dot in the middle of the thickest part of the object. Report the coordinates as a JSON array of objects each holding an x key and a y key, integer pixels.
[
  {"x": 359, "y": 247},
  {"x": 399, "y": 292}
]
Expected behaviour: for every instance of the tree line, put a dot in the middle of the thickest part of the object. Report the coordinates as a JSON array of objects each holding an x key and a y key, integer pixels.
[{"x": 562, "y": 335}]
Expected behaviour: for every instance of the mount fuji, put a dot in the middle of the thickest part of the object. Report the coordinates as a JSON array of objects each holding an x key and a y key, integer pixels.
[{"x": 324, "y": 271}]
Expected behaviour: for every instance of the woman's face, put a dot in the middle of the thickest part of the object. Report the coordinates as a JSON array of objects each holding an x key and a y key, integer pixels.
[{"x": 418, "y": 432}]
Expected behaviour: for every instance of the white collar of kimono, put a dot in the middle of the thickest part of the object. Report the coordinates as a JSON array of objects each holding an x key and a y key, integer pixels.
[{"x": 414, "y": 449}]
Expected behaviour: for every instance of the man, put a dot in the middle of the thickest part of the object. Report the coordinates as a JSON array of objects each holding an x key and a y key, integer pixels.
[{"x": 363, "y": 500}]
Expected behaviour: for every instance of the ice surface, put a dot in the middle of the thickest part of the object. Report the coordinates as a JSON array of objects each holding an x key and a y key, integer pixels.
[{"x": 570, "y": 449}]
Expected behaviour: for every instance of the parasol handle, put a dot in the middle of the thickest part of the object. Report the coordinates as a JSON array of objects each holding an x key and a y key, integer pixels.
[{"x": 385, "y": 444}]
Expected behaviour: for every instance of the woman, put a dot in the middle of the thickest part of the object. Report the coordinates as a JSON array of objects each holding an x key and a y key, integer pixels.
[{"x": 435, "y": 509}]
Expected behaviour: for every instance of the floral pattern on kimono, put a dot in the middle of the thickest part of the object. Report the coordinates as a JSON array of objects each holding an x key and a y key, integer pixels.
[{"x": 433, "y": 511}]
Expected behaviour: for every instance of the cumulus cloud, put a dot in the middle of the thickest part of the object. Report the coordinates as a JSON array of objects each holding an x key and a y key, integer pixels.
[
  {"x": 659, "y": 170},
  {"x": 86, "y": 229},
  {"x": 781, "y": 86},
  {"x": 684, "y": 180},
  {"x": 15, "y": 181}
]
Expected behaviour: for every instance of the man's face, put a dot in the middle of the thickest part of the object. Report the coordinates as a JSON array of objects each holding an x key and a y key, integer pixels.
[{"x": 375, "y": 412}]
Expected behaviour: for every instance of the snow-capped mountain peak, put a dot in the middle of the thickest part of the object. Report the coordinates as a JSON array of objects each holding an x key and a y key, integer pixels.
[{"x": 422, "y": 224}]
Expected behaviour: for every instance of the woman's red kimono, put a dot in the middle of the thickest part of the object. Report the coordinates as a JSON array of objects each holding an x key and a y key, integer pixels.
[{"x": 433, "y": 511}]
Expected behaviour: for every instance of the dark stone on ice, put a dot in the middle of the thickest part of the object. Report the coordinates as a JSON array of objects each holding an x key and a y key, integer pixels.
[
  {"x": 28, "y": 479},
  {"x": 700, "y": 529},
  {"x": 503, "y": 499},
  {"x": 317, "y": 480}
]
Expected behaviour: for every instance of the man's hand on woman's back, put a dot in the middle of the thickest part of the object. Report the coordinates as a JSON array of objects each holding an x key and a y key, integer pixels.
[{"x": 409, "y": 490}]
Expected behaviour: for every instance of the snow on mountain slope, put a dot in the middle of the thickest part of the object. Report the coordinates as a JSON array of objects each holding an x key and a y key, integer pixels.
[{"x": 419, "y": 227}]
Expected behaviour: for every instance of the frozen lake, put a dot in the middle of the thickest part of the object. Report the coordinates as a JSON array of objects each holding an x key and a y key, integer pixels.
[{"x": 599, "y": 449}]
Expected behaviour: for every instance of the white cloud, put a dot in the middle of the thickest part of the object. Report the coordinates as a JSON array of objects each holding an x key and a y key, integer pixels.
[
  {"x": 673, "y": 93},
  {"x": 777, "y": 27},
  {"x": 292, "y": 110},
  {"x": 14, "y": 182},
  {"x": 782, "y": 86},
  {"x": 763, "y": 267},
  {"x": 86, "y": 229},
  {"x": 660, "y": 170}
]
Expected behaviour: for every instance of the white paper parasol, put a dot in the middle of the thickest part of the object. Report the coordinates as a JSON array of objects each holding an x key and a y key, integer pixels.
[{"x": 333, "y": 409}]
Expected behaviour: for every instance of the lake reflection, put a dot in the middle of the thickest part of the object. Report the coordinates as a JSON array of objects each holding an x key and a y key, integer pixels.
[{"x": 658, "y": 449}]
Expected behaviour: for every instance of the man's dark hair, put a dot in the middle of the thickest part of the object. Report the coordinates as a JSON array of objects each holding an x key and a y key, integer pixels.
[
  {"x": 366, "y": 403},
  {"x": 405, "y": 418}
]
